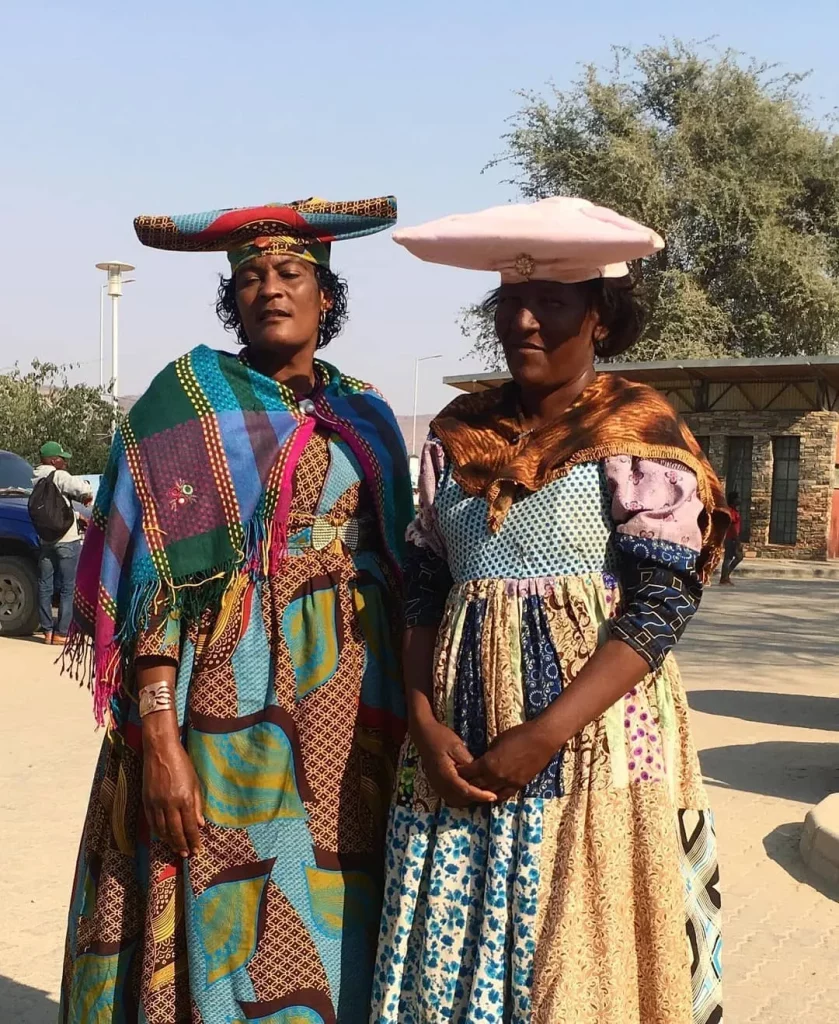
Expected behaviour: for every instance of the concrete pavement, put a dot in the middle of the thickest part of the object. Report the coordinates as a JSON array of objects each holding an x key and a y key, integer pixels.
[
  {"x": 762, "y": 666},
  {"x": 48, "y": 747},
  {"x": 788, "y": 569}
]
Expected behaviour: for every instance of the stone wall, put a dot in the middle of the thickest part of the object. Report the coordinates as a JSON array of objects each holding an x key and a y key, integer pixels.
[{"x": 817, "y": 431}]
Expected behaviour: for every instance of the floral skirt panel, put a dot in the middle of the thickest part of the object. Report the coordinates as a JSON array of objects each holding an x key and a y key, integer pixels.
[{"x": 591, "y": 897}]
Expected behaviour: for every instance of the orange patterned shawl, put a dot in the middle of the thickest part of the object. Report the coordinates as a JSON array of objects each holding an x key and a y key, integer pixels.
[{"x": 612, "y": 416}]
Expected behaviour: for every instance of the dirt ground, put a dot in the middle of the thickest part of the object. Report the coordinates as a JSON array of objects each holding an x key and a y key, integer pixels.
[{"x": 762, "y": 666}]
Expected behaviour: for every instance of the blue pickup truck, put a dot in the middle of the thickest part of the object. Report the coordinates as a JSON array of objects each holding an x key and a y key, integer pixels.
[{"x": 18, "y": 548}]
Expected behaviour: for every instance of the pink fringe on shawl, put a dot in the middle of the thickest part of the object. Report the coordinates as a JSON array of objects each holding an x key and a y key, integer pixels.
[
  {"x": 279, "y": 528},
  {"x": 92, "y": 646}
]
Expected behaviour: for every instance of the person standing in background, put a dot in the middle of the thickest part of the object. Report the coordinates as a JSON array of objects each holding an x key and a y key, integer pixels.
[
  {"x": 733, "y": 548},
  {"x": 60, "y": 556}
]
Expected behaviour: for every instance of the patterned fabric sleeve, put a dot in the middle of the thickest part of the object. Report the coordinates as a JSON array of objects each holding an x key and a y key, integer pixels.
[
  {"x": 656, "y": 508},
  {"x": 427, "y": 577},
  {"x": 162, "y": 636}
]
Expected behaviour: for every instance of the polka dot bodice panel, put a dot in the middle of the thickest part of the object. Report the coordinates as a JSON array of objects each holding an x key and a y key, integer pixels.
[{"x": 565, "y": 529}]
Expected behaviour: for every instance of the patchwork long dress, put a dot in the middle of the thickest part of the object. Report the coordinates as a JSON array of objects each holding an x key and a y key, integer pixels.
[
  {"x": 592, "y": 897},
  {"x": 292, "y": 710}
]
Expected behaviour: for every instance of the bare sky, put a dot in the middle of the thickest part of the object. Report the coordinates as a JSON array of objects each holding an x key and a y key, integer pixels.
[{"x": 181, "y": 106}]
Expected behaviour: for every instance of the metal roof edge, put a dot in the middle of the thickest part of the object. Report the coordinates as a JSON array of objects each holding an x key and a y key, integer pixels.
[{"x": 690, "y": 367}]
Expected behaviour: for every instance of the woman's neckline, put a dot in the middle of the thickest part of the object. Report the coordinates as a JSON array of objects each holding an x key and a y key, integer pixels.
[{"x": 319, "y": 372}]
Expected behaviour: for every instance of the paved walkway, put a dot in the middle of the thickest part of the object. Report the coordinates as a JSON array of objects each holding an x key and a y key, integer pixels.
[
  {"x": 47, "y": 752},
  {"x": 789, "y": 569},
  {"x": 762, "y": 666}
]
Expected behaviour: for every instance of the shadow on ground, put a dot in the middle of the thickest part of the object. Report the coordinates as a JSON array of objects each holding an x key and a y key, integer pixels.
[
  {"x": 798, "y": 710},
  {"x": 20, "y": 1004},
  {"x": 36, "y": 638},
  {"x": 783, "y": 846},
  {"x": 806, "y": 772}
]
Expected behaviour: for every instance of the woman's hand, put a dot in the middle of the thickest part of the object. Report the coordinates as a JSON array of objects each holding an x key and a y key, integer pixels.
[
  {"x": 515, "y": 758},
  {"x": 172, "y": 797},
  {"x": 171, "y": 790},
  {"x": 443, "y": 752}
]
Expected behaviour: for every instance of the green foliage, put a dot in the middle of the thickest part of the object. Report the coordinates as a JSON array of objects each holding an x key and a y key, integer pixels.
[
  {"x": 721, "y": 157},
  {"x": 40, "y": 405}
]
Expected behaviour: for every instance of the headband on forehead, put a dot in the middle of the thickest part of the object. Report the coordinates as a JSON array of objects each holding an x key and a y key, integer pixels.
[
  {"x": 560, "y": 239},
  {"x": 305, "y": 229}
]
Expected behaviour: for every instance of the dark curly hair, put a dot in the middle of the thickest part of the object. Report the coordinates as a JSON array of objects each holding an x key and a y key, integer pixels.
[
  {"x": 618, "y": 306},
  {"x": 329, "y": 283}
]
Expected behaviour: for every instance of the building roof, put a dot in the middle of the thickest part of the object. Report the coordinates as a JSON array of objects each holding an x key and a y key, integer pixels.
[{"x": 688, "y": 372}]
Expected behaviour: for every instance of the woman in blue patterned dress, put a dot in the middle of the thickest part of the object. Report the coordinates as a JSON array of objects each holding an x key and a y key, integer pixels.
[
  {"x": 240, "y": 582},
  {"x": 551, "y": 852}
]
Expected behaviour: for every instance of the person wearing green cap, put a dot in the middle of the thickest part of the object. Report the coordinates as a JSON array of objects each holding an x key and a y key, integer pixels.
[{"x": 59, "y": 558}]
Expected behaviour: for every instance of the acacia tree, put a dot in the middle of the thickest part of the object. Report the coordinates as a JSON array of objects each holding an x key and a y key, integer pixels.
[
  {"x": 722, "y": 158},
  {"x": 41, "y": 405}
]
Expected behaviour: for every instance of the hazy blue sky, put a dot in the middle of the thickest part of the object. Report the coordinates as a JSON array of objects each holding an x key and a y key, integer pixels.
[{"x": 180, "y": 106}]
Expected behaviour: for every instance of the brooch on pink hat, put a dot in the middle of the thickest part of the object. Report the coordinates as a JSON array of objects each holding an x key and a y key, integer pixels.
[{"x": 560, "y": 239}]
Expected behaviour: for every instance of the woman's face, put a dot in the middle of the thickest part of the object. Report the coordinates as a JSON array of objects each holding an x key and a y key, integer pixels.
[
  {"x": 547, "y": 332},
  {"x": 280, "y": 303}
]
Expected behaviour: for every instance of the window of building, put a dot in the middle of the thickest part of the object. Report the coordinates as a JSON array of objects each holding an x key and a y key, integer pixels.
[
  {"x": 783, "y": 518},
  {"x": 738, "y": 477},
  {"x": 703, "y": 441}
]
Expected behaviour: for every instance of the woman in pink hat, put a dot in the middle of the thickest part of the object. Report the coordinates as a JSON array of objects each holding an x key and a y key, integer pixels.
[{"x": 551, "y": 852}]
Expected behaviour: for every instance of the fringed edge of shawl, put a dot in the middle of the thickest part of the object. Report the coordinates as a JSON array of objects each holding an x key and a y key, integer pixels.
[{"x": 105, "y": 672}]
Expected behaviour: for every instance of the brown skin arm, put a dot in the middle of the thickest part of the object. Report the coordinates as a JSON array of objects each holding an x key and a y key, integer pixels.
[
  {"x": 171, "y": 790},
  {"x": 442, "y": 751},
  {"x": 518, "y": 755}
]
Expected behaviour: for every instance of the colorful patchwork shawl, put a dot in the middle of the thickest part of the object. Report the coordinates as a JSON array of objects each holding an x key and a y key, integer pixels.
[
  {"x": 198, "y": 489},
  {"x": 482, "y": 436}
]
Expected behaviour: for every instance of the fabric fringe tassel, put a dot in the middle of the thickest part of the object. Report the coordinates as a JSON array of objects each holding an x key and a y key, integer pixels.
[
  {"x": 99, "y": 670},
  {"x": 105, "y": 669}
]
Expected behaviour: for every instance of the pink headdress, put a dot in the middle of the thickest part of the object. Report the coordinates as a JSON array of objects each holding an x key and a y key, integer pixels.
[{"x": 560, "y": 239}]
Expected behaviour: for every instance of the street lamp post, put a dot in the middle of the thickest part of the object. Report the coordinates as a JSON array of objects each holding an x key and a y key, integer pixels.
[
  {"x": 127, "y": 280},
  {"x": 102, "y": 335},
  {"x": 421, "y": 359},
  {"x": 114, "y": 269}
]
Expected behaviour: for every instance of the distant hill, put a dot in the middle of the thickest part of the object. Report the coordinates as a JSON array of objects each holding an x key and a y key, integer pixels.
[{"x": 406, "y": 426}]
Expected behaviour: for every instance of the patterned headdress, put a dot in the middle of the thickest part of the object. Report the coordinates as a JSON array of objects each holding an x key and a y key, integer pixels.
[{"x": 305, "y": 229}]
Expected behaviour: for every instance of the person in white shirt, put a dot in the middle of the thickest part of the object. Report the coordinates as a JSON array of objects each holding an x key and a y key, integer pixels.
[{"x": 62, "y": 556}]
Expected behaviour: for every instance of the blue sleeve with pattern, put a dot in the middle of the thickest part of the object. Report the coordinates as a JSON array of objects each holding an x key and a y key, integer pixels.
[
  {"x": 427, "y": 585},
  {"x": 661, "y": 592}
]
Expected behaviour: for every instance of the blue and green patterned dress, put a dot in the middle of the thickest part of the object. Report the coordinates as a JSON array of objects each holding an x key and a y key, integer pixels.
[
  {"x": 291, "y": 704},
  {"x": 592, "y": 897}
]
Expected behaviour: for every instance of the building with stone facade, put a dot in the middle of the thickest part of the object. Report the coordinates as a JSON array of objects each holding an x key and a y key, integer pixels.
[{"x": 771, "y": 430}]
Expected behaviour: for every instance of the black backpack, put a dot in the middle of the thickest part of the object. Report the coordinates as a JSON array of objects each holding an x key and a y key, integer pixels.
[{"x": 51, "y": 516}]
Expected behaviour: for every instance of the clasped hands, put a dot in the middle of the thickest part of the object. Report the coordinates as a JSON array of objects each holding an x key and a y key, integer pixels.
[{"x": 514, "y": 758}]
